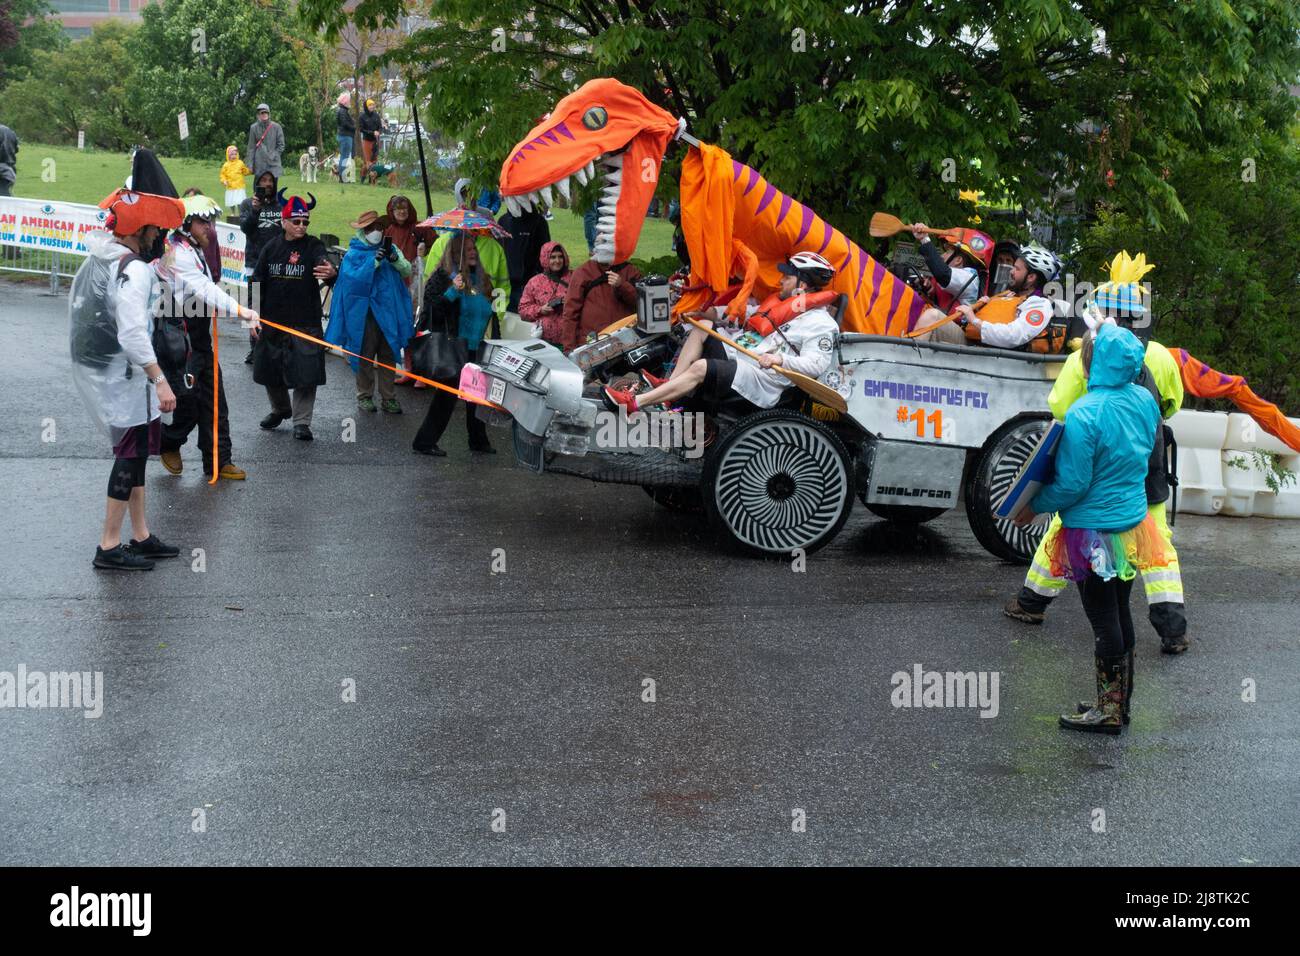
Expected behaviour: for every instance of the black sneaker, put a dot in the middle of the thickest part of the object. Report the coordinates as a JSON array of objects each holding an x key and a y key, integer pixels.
[
  {"x": 272, "y": 421},
  {"x": 302, "y": 433},
  {"x": 433, "y": 452},
  {"x": 248, "y": 359},
  {"x": 121, "y": 559},
  {"x": 153, "y": 547}
]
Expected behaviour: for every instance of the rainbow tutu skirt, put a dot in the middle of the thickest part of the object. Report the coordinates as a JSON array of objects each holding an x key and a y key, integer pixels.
[{"x": 1076, "y": 552}]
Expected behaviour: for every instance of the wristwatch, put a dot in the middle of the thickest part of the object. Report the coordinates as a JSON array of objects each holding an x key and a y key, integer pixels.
[{"x": 159, "y": 380}]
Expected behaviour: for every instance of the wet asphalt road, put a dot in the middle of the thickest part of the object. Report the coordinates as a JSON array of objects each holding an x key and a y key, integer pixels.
[{"x": 523, "y": 690}]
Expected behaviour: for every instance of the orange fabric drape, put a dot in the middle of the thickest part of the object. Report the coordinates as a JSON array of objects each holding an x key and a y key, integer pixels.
[{"x": 1205, "y": 382}]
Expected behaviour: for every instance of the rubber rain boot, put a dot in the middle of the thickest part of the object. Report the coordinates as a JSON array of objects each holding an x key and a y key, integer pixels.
[
  {"x": 1084, "y": 706},
  {"x": 1106, "y": 716}
]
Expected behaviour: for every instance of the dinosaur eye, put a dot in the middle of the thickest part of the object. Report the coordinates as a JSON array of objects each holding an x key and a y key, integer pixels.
[{"x": 595, "y": 118}]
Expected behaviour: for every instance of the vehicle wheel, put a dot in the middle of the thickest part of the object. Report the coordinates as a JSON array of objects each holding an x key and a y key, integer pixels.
[
  {"x": 995, "y": 469},
  {"x": 684, "y": 500},
  {"x": 778, "y": 481},
  {"x": 905, "y": 514}
]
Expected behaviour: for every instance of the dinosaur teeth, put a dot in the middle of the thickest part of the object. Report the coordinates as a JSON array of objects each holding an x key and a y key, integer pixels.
[
  {"x": 563, "y": 186},
  {"x": 581, "y": 176},
  {"x": 513, "y": 205},
  {"x": 614, "y": 176},
  {"x": 591, "y": 170}
]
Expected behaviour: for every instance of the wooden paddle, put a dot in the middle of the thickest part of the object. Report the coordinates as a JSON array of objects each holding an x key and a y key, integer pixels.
[
  {"x": 883, "y": 225},
  {"x": 916, "y": 333},
  {"x": 819, "y": 392}
]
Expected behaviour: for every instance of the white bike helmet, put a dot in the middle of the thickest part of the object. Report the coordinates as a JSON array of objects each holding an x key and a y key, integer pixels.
[
  {"x": 808, "y": 266},
  {"x": 1041, "y": 261}
]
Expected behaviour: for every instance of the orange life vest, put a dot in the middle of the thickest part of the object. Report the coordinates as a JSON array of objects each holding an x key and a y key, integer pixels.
[
  {"x": 775, "y": 311},
  {"x": 1001, "y": 310}
]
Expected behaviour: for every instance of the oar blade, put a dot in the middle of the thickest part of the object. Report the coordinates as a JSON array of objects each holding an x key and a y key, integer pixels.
[{"x": 884, "y": 225}]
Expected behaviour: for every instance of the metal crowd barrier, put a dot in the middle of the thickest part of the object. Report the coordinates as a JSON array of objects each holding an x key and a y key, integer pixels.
[{"x": 57, "y": 264}]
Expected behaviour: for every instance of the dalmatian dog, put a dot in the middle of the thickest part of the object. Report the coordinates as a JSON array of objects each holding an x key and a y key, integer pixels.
[{"x": 309, "y": 165}]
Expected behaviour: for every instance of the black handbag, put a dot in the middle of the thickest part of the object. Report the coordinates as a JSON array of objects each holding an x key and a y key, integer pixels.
[
  {"x": 446, "y": 355},
  {"x": 171, "y": 347}
]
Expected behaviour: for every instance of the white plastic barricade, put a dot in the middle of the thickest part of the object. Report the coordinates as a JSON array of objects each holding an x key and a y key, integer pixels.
[
  {"x": 1246, "y": 474},
  {"x": 1200, "y": 437}
]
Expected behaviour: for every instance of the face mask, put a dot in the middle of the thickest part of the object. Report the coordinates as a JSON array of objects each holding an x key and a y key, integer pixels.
[
  {"x": 373, "y": 237},
  {"x": 264, "y": 192}
]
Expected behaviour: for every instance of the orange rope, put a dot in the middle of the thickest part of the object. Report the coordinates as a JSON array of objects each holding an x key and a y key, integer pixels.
[
  {"x": 216, "y": 409},
  {"x": 419, "y": 378},
  {"x": 216, "y": 374}
]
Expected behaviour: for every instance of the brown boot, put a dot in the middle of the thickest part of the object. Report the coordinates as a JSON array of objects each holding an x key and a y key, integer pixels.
[
  {"x": 232, "y": 472},
  {"x": 171, "y": 460},
  {"x": 1106, "y": 716},
  {"x": 1014, "y": 610}
]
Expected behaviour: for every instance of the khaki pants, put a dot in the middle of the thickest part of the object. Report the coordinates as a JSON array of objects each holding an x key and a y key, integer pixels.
[
  {"x": 375, "y": 346},
  {"x": 951, "y": 333},
  {"x": 300, "y": 407}
]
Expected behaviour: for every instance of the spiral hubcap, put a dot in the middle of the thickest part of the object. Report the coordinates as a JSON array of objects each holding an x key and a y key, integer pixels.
[{"x": 781, "y": 486}]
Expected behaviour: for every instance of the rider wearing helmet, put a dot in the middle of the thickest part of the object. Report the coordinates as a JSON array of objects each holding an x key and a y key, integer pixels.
[
  {"x": 1020, "y": 316},
  {"x": 197, "y": 299},
  {"x": 803, "y": 344}
]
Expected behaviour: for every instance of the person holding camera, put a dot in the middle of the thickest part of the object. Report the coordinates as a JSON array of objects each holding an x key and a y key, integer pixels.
[
  {"x": 370, "y": 312},
  {"x": 259, "y": 221},
  {"x": 600, "y": 293},
  {"x": 543, "y": 299}
]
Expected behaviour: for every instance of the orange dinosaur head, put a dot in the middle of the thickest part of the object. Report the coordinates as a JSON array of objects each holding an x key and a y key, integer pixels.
[{"x": 604, "y": 127}]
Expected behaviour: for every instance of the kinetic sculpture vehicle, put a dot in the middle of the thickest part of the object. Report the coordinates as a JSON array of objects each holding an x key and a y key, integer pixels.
[{"x": 919, "y": 426}]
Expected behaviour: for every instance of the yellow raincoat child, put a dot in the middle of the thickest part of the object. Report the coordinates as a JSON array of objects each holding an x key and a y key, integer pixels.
[{"x": 233, "y": 172}]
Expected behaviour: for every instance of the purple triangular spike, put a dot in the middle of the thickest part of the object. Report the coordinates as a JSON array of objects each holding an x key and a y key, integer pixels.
[
  {"x": 551, "y": 135},
  {"x": 862, "y": 270},
  {"x": 785, "y": 208},
  {"x": 753, "y": 180},
  {"x": 807, "y": 223},
  {"x": 768, "y": 195},
  {"x": 735, "y": 170},
  {"x": 563, "y": 130},
  {"x": 529, "y": 146}
]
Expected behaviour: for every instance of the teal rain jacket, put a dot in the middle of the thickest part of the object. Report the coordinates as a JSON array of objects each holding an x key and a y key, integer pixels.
[{"x": 1101, "y": 463}]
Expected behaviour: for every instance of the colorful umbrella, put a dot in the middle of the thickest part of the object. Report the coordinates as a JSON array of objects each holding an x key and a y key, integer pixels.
[{"x": 469, "y": 221}]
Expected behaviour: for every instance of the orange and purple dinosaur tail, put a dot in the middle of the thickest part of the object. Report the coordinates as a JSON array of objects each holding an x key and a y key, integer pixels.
[
  {"x": 1205, "y": 382},
  {"x": 739, "y": 226}
]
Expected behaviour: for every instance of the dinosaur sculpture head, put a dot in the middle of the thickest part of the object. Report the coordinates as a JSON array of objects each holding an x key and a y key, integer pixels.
[{"x": 604, "y": 128}]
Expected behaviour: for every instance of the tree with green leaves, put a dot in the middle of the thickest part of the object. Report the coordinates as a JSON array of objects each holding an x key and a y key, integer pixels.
[
  {"x": 216, "y": 60},
  {"x": 1227, "y": 283},
  {"x": 878, "y": 105},
  {"x": 81, "y": 86},
  {"x": 26, "y": 28}
]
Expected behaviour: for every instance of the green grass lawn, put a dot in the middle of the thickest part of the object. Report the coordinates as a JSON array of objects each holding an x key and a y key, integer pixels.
[{"x": 90, "y": 175}]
